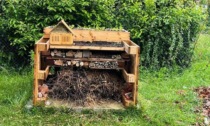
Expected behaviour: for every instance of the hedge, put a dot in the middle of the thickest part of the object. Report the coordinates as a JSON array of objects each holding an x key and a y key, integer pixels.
[{"x": 166, "y": 30}]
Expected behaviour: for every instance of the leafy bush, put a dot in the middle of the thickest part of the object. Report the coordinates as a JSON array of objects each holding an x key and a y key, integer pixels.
[
  {"x": 208, "y": 13},
  {"x": 165, "y": 29},
  {"x": 23, "y": 20}
]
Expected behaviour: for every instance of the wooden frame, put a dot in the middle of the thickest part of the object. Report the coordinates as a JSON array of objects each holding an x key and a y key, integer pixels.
[{"x": 43, "y": 46}]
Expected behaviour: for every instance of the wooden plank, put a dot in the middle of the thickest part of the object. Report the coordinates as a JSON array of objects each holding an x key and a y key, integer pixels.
[
  {"x": 43, "y": 46},
  {"x": 87, "y": 48},
  {"x": 134, "y": 51},
  {"x": 131, "y": 48},
  {"x": 42, "y": 40},
  {"x": 48, "y": 45},
  {"x": 86, "y": 59},
  {"x": 127, "y": 49},
  {"x": 66, "y": 39},
  {"x": 83, "y": 35},
  {"x": 61, "y": 38},
  {"x": 133, "y": 71},
  {"x": 100, "y": 35},
  {"x": 95, "y": 35},
  {"x": 42, "y": 74},
  {"x": 134, "y": 48},
  {"x": 36, "y": 68},
  {"x": 124, "y": 36},
  {"x": 129, "y": 78},
  {"x": 46, "y": 36},
  {"x": 54, "y": 38},
  {"x": 136, "y": 69}
]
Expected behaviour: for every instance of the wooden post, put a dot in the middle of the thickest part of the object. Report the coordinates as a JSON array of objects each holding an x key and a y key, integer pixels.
[
  {"x": 136, "y": 74},
  {"x": 36, "y": 68}
]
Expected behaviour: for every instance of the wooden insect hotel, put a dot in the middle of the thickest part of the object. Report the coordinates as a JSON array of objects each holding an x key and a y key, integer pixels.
[{"x": 85, "y": 67}]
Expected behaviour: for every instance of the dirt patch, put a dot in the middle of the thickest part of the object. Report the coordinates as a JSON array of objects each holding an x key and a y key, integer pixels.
[{"x": 204, "y": 94}]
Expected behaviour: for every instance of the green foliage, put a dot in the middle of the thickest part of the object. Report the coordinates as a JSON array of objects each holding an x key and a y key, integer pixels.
[
  {"x": 165, "y": 29},
  {"x": 23, "y": 20},
  {"x": 208, "y": 10}
]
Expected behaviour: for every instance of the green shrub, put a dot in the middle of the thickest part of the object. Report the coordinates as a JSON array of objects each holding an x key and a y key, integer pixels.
[
  {"x": 22, "y": 21},
  {"x": 166, "y": 30},
  {"x": 208, "y": 13}
]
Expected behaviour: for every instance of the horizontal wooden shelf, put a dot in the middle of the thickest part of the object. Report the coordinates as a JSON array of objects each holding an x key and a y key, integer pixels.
[
  {"x": 87, "y": 48},
  {"x": 100, "y": 35},
  {"x": 86, "y": 59},
  {"x": 120, "y": 62}
]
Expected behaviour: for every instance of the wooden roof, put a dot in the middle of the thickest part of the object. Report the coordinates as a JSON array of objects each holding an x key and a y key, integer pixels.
[{"x": 66, "y": 26}]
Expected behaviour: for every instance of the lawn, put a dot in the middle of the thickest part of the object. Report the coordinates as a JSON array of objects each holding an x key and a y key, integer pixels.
[{"x": 165, "y": 98}]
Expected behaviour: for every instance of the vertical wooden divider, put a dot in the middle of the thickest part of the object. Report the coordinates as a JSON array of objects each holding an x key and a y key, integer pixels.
[
  {"x": 36, "y": 69},
  {"x": 136, "y": 72}
]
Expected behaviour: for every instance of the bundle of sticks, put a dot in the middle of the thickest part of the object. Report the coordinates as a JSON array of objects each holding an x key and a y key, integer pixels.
[{"x": 86, "y": 87}]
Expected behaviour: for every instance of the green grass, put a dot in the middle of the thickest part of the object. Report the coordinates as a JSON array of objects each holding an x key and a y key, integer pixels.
[
  {"x": 165, "y": 98},
  {"x": 168, "y": 96}
]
